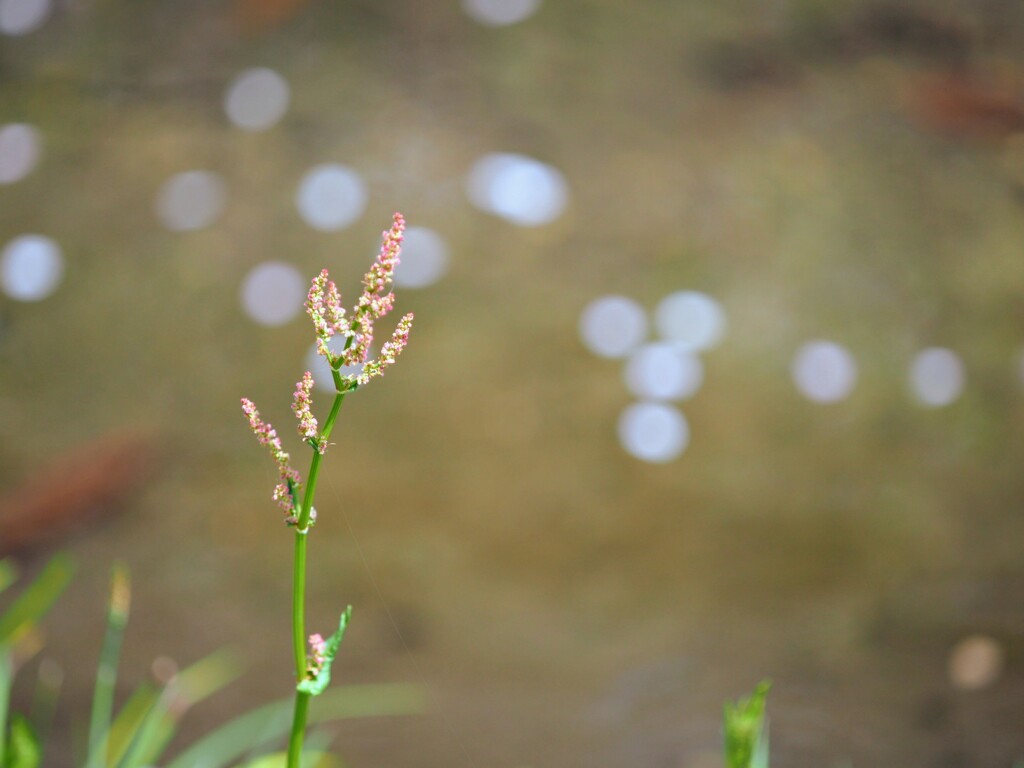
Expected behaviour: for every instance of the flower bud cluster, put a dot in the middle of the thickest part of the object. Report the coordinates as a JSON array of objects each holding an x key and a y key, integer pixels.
[
  {"x": 317, "y": 655},
  {"x": 330, "y": 319},
  {"x": 323, "y": 305},
  {"x": 389, "y": 352},
  {"x": 302, "y": 406},
  {"x": 284, "y": 491}
]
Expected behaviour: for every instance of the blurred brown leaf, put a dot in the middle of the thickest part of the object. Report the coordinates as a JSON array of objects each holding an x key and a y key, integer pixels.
[
  {"x": 260, "y": 16},
  {"x": 77, "y": 489},
  {"x": 963, "y": 107}
]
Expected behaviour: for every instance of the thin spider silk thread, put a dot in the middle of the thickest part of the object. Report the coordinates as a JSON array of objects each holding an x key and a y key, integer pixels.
[{"x": 391, "y": 618}]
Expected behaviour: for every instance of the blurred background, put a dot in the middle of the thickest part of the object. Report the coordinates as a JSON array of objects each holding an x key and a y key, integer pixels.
[{"x": 717, "y": 371}]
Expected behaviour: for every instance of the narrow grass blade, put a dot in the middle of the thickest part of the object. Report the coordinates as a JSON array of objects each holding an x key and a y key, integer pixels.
[
  {"x": 49, "y": 678},
  {"x": 260, "y": 728},
  {"x": 106, "y": 673},
  {"x": 127, "y": 723},
  {"x": 36, "y": 600},
  {"x": 8, "y": 574},
  {"x": 157, "y": 727},
  {"x": 6, "y": 676}
]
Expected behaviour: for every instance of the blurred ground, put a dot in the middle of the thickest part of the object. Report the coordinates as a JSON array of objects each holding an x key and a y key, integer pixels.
[{"x": 840, "y": 170}]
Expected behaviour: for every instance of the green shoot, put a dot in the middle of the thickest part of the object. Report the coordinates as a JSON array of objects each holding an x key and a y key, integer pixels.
[{"x": 746, "y": 733}]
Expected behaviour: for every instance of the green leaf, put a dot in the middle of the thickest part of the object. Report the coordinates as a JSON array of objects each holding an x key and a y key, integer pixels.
[
  {"x": 280, "y": 760},
  {"x": 319, "y": 684},
  {"x": 260, "y": 727},
  {"x": 153, "y": 728},
  {"x": 106, "y": 673},
  {"x": 746, "y": 736},
  {"x": 37, "y": 599},
  {"x": 127, "y": 723},
  {"x": 8, "y": 574},
  {"x": 6, "y": 676},
  {"x": 23, "y": 746}
]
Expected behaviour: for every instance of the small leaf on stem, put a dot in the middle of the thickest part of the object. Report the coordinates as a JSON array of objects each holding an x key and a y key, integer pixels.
[{"x": 321, "y": 671}]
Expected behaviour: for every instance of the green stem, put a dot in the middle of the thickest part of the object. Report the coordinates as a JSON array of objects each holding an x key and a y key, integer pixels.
[
  {"x": 298, "y": 729},
  {"x": 299, "y": 584},
  {"x": 336, "y": 406},
  {"x": 299, "y": 607}
]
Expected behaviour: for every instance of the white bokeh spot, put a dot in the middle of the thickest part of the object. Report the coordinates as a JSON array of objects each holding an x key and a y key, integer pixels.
[
  {"x": 424, "y": 258},
  {"x": 690, "y": 318},
  {"x": 331, "y": 197},
  {"x": 256, "y": 99},
  {"x": 19, "y": 151},
  {"x": 191, "y": 200},
  {"x": 936, "y": 377},
  {"x": 663, "y": 371},
  {"x": 273, "y": 293},
  {"x": 517, "y": 188},
  {"x": 613, "y": 326},
  {"x": 20, "y": 17},
  {"x": 653, "y": 432},
  {"x": 500, "y": 13},
  {"x": 31, "y": 267},
  {"x": 317, "y": 365},
  {"x": 824, "y": 371}
]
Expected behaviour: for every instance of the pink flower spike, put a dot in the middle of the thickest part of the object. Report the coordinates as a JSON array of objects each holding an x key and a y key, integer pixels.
[
  {"x": 389, "y": 352},
  {"x": 267, "y": 436},
  {"x": 378, "y": 279},
  {"x": 360, "y": 349},
  {"x": 323, "y": 305},
  {"x": 335, "y": 312},
  {"x": 302, "y": 405},
  {"x": 316, "y": 306}
]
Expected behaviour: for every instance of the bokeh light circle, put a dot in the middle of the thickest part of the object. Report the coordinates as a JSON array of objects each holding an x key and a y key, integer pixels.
[
  {"x": 500, "y": 13},
  {"x": 273, "y": 293},
  {"x": 19, "y": 151},
  {"x": 19, "y": 17},
  {"x": 824, "y": 371},
  {"x": 517, "y": 188},
  {"x": 31, "y": 267},
  {"x": 424, "y": 258},
  {"x": 317, "y": 365},
  {"x": 331, "y": 197},
  {"x": 256, "y": 99},
  {"x": 663, "y": 371},
  {"x": 975, "y": 662},
  {"x": 191, "y": 200},
  {"x": 691, "y": 318},
  {"x": 653, "y": 432},
  {"x": 937, "y": 377},
  {"x": 612, "y": 326}
]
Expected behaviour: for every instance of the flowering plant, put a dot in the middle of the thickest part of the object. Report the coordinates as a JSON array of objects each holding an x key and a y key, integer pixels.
[{"x": 356, "y": 327}]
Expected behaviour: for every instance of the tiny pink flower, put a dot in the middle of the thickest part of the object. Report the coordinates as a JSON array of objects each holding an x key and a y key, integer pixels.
[
  {"x": 317, "y": 655},
  {"x": 284, "y": 491},
  {"x": 389, "y": 352},
  {"x": 323, "y": 305},
  {"x": 302, "y": 405}
]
